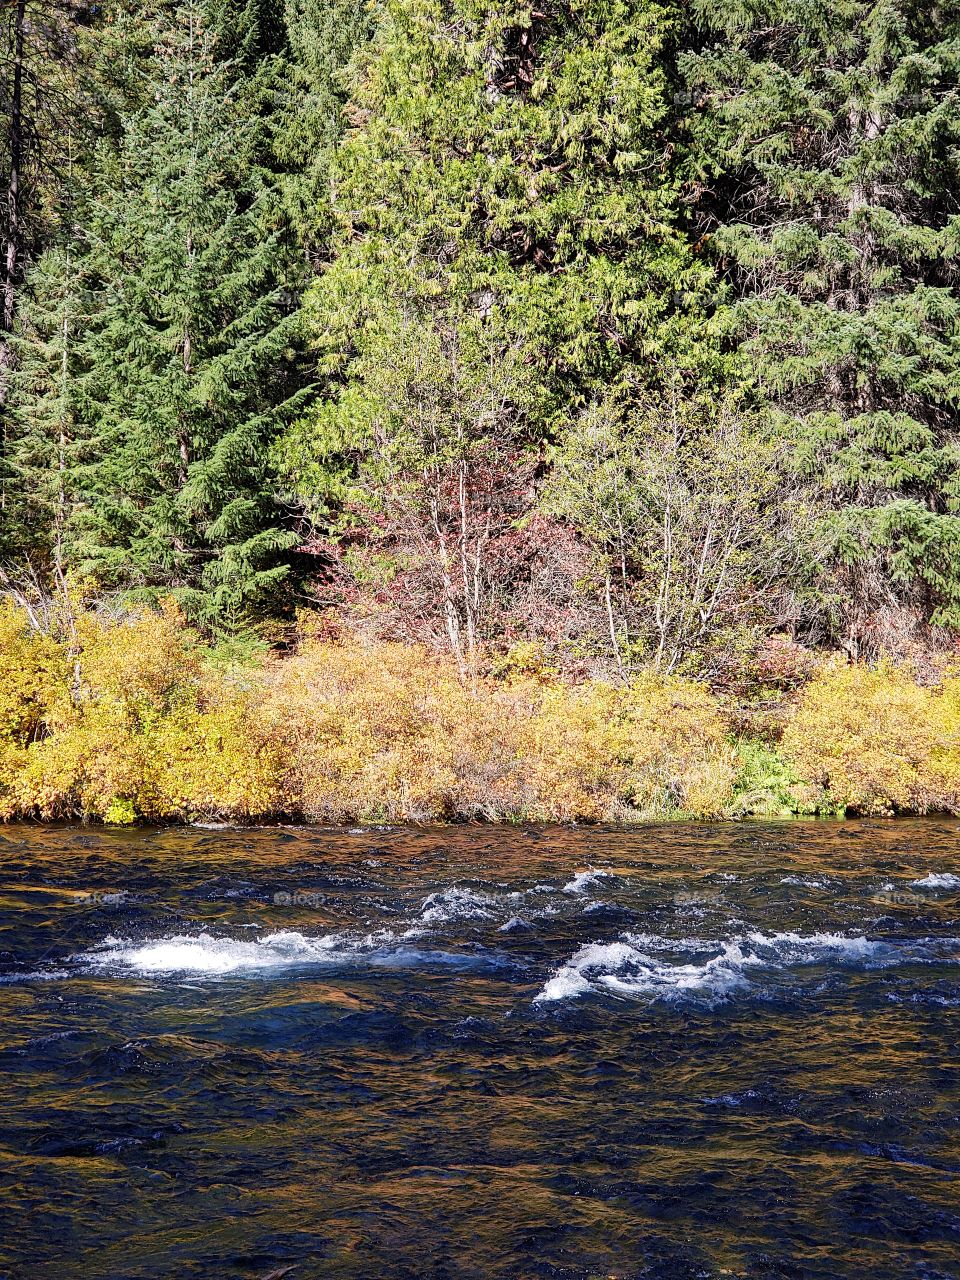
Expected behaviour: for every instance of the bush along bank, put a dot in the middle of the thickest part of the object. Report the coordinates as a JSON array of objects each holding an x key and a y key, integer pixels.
[{"x": 130, "y": 719}]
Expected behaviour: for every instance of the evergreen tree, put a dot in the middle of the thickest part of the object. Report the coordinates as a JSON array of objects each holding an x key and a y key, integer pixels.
[
  {"x": 828, "y": 136},
  {"x": 506, "y": 196},
  {"x": 322, "y": 38},
  {"x": 511, "y": 164},
  {"x": 191, "y": 350},
  {"x": 506, "y": 188},
  {"x": 46, "y": 422},
  {"x": 47, "y": 115},
  {"x": 248, "y": 32},
  {"x": 42, "y": 104}
]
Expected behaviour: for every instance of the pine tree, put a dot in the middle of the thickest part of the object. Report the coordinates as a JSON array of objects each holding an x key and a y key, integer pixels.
[
  {"x": 191, "y": 350},
  {"x": 828, "y": 137}
]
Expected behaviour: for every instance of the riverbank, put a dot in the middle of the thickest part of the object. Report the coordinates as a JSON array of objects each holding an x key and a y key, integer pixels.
[{"x": 121, "y": 720}]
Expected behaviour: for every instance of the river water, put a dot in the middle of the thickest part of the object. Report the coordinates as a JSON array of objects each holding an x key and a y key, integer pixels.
[{"x": 674, "y": 1051}]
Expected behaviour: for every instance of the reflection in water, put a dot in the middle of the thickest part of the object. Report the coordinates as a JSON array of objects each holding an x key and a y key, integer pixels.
[{"x": 673, "y": 1051}]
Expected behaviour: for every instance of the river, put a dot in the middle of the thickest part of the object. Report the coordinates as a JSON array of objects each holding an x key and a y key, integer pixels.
[{"x": 669, "y": 1052}]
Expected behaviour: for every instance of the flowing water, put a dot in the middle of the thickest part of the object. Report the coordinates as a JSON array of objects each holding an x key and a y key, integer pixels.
[{"x": 674, "y": 1051}]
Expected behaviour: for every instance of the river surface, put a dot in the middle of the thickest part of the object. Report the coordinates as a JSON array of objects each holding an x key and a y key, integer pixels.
[{"x": 676, "y": 1051}]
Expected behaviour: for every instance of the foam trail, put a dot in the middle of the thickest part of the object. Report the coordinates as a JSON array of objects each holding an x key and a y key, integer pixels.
[
  {"x": 205, "y": 954},
  {"x": 34, "y": 975},
  {"x": 628, "y": 969}
]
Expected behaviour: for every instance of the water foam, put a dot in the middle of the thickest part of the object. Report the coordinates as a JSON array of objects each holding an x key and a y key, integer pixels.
[
  {"x": 938, "y": 880},
  {"x": 211, "y": 956},
  {"x": 583, "y": 880},
  {"x": 33, "y": 975},
  {"x": 630, "y": 968},
  {"x": 457, "y": 903},
  {"x": 619, "y": 968}
]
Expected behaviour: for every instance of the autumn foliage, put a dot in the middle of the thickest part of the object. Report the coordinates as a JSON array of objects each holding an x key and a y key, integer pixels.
[
  {"x": 127, "y": 718},
  {"x": 874, "y": 741}
]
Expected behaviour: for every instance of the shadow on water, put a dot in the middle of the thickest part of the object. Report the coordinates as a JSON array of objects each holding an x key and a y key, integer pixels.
[{"x": 671, "y": 1051}]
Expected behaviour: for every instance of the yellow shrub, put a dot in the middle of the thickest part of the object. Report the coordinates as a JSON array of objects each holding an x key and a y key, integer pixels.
[
  {"x": 388, "y": 732},
  {"x": 601, "y": 752},
  {"x": 867, "y": 736},
  {"x": 676, "y": 748},
  {"x": 569, "y": 750},
  {"x": 945, "y": 759},
  {"x": 145, "y": 665},
  {"x": 124, "y": 677},
  {"x": 33, "y": 685},
  {"x": 33, "y": 674},
  {"x": 130, "y": 722},
  {"x": 214, "y": 761}
]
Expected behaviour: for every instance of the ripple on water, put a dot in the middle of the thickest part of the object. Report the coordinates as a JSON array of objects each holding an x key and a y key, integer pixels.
[{"x": 670, "y": 1052}]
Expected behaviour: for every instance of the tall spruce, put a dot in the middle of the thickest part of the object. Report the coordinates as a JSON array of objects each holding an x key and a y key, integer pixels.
[
  {"x": 190, "y": 356},
  {"x": 42, "y": 102},
  {"x": 47, "y": 428},
  {"x": 47, "y": 114},
  {"x": 831, "y": 195}
]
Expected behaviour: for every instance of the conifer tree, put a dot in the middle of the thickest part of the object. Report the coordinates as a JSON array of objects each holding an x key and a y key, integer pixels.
[
  {"x": 505, "y": 196},
  {"x": 46, "y": 422},
  {"x": 515, "y": 162},
  {"x": 42, "y": 102},
  {"x": 322, "y": 38},
  {"x": 248, "y": 32},
  {"x": 829, "y": 141},
  {"x": 47, "y": 112},
  {"x": 509, "y": 167},
  {"x": 191, "y": 350}
]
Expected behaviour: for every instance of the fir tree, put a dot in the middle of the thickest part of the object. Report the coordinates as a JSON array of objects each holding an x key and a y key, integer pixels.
[
  {"x": 829, "y": 139},
  {"x": 322, "y": 38},
  {"x": 46, "y": 432},
  {"x": 191, "y": 360},
  {"x": 47, "y": 114}
]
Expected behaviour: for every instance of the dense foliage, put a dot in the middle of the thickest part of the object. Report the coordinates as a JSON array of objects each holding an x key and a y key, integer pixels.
[
  {"x": 830, "y": 140},
  {"x": 623, "y": 330},
  {"x": 126, "y": 717}
]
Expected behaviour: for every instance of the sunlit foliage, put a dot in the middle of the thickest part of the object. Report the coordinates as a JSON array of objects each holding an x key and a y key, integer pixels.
[
  {"x": 876, "y": 742},
  {"x": 121, "y": 719}
]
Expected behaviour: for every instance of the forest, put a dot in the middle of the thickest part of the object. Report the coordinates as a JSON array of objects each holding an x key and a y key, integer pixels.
[{"x": 583, "y": 347}]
